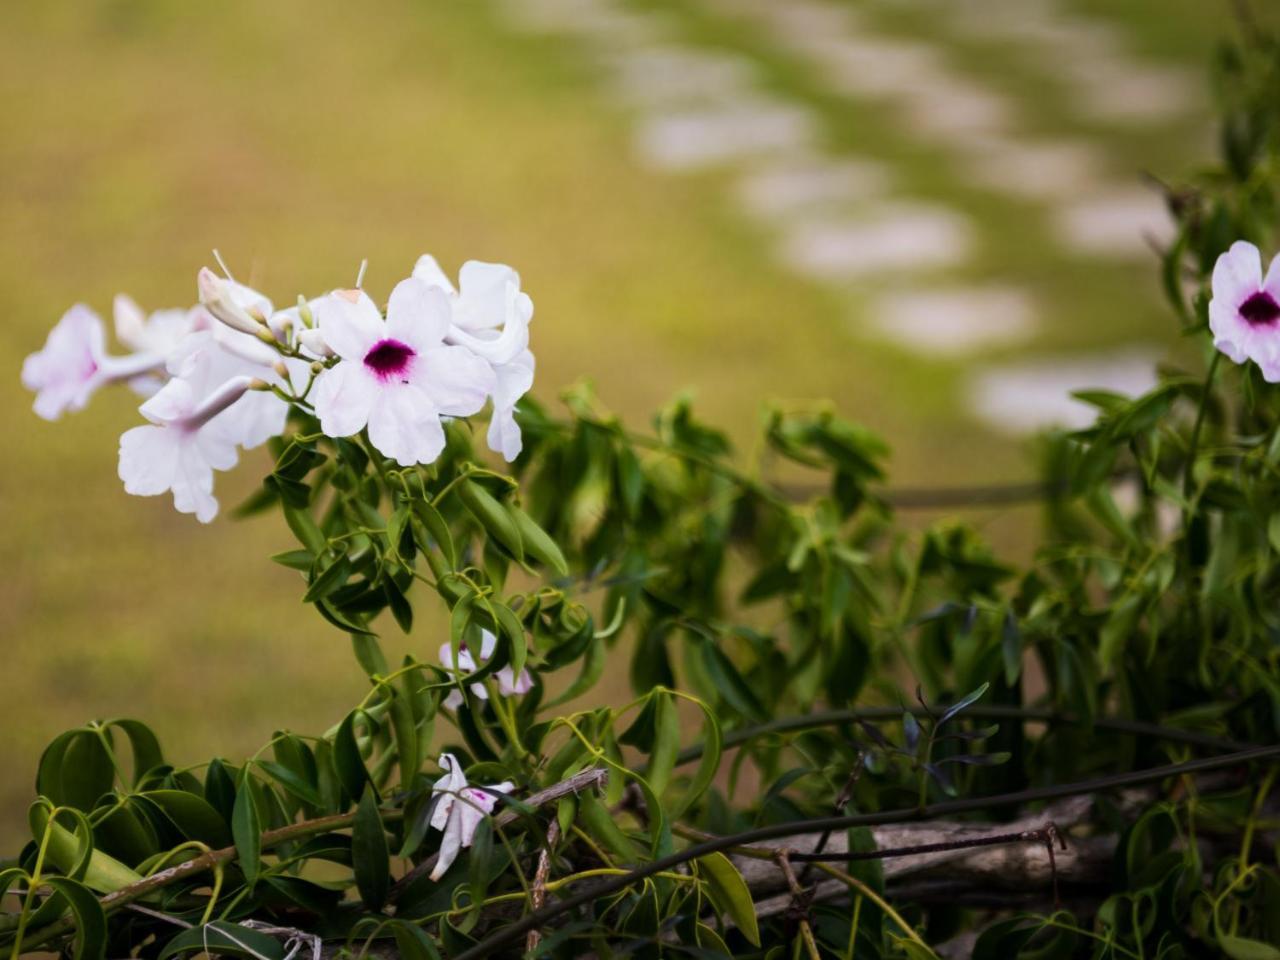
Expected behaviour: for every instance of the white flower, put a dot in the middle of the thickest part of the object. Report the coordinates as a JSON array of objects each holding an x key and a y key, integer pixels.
[
  {"x": 239, "y": 307},
  {"x": 459, "y": 811},
  {"x": 397, "y": 376},
  {"x": 508, "y": 683},
  {"x": 183, "y": 445},
  {"x": 156, "y": 334},
  {"x": 74, "y": 363},
  {"x": 200, "y": 417},
  {"x": 1244, "y": 313},
  {"x": 213, "y": 356},
  {"x": 490, "y": 316}
]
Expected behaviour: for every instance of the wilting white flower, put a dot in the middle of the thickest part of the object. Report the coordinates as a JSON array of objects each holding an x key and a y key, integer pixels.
[
  {"x": 239, "y": 307},
  {"x": 1244, "y": 313},
  {"x": 490, "y": 316},
  {"x": 74, "y": 363},
  {"x": 459, "y": 811},
  {"x": 397, "y": 376},
  {"x": 508, "y": 683}
]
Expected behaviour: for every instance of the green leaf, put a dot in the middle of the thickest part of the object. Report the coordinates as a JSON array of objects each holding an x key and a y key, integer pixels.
[
  {"x": 666, "y": 743},
  {"x": 304, "y": 528},
  {"x": 538, "y": 543},
  {"x": 224, "y": 939},
  {"x": 968, "y": 700},
  {"x": 729, "y": 892},
  {"x": 1242, "y": 948},
  {"x": 370, "y": 855},
  {"x": 91, "y": 919},
  {"x": 194, "y": 817},
  {"x": 492, "y": 516},
  {"x": 146, "y": 748},
  {"x": 328, "y": 578},
  {"x": 708, "y": 765},
  {"x": 246, "y": 828},
  {"x": 347, "y": 761},
  {"x": 437, "y": 534}
]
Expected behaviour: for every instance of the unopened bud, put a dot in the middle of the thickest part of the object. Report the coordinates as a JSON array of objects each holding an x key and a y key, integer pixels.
[
  {"x": 218, "y": 297},
  {"x": 313, "y": 341},
  {"x": 304, "y": 311},
  {"x": 280, "y": 369}
]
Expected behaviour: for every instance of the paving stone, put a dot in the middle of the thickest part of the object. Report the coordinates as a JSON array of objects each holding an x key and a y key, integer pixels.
[
  {"x": 1029, "y": 396},
  {"x": 736, "y": 130},
  {"x": 954, "y": 321},
  {"x": 891, "y": 238},
  {"x": 1119, "y": 223},
  {"x": 794, "y": 186}
]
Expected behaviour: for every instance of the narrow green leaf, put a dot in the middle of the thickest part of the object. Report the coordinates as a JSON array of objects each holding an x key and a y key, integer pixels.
[
  {"x": 91, "y": 919},
  {"x": 246, "y": 828},
  {"x": 728, "y": 891},
  {"x": 370, "y": 855},
  {"x": 222, "y": 938},
  {"x": 538, "y": 543}
]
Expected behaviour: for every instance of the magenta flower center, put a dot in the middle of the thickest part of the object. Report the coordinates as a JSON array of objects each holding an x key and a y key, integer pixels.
[
  {"x": 390, "y": 359},
  {"x": 1260, "y": 309}
]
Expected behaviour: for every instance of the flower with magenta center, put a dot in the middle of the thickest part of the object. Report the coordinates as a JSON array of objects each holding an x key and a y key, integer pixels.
[
  {"x": 397, "y": 376},
  {"x": 459, "y": 810},
  {"x": 1244, "y": 313}
]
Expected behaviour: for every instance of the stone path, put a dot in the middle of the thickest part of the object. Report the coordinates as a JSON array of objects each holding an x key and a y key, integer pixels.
[{"x": 845, "y": 220}]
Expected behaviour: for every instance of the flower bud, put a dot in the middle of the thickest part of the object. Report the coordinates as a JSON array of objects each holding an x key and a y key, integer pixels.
[
  {"x": 312, "y": 341},
  {"x": 219, "y": 298}
]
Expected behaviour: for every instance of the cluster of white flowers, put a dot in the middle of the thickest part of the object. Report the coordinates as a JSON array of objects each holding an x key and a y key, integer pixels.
[{"x": 223, "y": 374}]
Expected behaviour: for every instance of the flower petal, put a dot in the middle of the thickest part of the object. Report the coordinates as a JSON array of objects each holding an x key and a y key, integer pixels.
[
  {"x": 344, "y": 396},
  {"x": 458, "y": 381},
  {"x": 404, "y": 425},
  {"x": 349, "y": 322},
  {"x": 417, "y": 314},
  {"x": 428, "y": 269}
]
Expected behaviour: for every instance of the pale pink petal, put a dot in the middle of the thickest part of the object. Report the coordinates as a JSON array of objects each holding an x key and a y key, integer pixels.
[
  {"x": 349, "y": 322},
  {"x": 428, "y": 270},
  {"x": 344, "y": 396},
  {"x": 1237, "y": 274},
  {"x": 405, "y": 426},
  {"x": 487, "y": 294},
  {"x": 417, "y": 314},
  {"x": 457, "y": 381}
]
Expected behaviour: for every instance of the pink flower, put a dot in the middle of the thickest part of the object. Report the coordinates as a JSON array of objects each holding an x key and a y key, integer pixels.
[
  {"x": 1244, "y": 313},
  {"x": 396, "y": 376},
  {"x": 459, "y": 811},
  {"x": 74, "y": 363},
  {"x": 508, "y": 683}
]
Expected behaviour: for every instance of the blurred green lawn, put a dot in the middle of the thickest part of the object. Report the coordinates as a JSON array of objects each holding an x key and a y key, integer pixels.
[{"x": 299, "y": 138}]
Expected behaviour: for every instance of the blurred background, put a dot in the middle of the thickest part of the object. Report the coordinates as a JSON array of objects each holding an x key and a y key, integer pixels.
[{"x": 933, "y": 212}]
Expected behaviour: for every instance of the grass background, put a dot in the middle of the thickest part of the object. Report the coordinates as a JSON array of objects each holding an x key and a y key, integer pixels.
[{"x": 301, "y": 137}]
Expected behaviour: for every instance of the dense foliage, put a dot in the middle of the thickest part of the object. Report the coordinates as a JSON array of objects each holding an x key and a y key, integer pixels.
[{"x": 803, "y": 660}]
